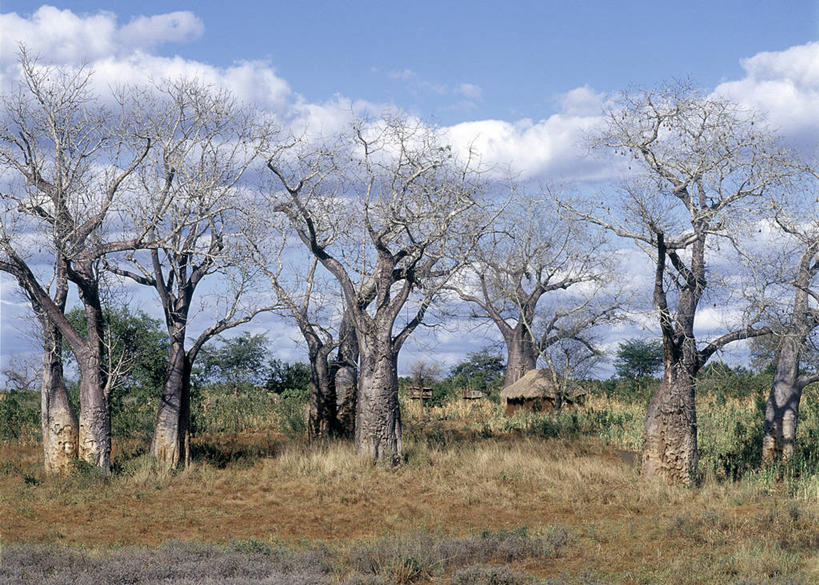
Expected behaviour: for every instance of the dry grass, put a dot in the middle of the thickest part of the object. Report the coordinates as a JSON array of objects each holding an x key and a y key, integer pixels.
[
  {"x": 468, "y": 470},
  {"x": 623, "y": 530}
]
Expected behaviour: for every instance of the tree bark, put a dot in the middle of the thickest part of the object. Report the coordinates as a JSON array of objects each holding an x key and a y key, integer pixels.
[
  {"x": 521, "y": 355},
  {"x": 782, "y": 410},
  {"x": 321, "y": 422},
  {"x": 170, "y": 438},
  {"x": 93, "y": 442},
  {"x": 346, "y": 378},
  {"x": 378, "y": 420},
  {"x": 670, "y": 431},
  {"x": 95, "y": 412},
  {"x": 59, "y": 421}
]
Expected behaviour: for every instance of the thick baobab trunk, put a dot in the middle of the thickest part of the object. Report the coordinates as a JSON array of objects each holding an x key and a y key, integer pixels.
[
  {"x": 322, "y": 417},
  {"x": 95, "y": 414},
  {"x": 521, "y": 355},
  {"x": 59, "y": 421},
  {"x": 670, "y": 432},
  {"x": 95, "y": 411},
  {"x": 346, "y": 379},
  {"x": 378, "y": 421},
  {"x": 782, "y": 411},
  {"x": 171, "y": 432}
]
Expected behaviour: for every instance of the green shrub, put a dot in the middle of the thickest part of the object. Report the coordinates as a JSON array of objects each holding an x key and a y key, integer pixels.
[
  {"x": 290, "y": 409},
  {"x": 20, "y": 416}
]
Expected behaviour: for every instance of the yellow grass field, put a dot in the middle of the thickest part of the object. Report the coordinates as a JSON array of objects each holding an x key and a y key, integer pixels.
[{"x": 465, "y": 474}]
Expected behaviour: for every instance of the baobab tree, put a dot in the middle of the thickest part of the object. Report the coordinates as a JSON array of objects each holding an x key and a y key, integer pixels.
[
  {"x": 69, "y": 160},
  {"x": 204, "y": 143},
  {"x": 309, "y": 295},
  {"x": 796, "y": 218},
  {"x": 537, "y": 252},
  {"x": 345, "y": 379},
  {"x": 381, "y": 210},
  {"x": 696, "y": 164}
]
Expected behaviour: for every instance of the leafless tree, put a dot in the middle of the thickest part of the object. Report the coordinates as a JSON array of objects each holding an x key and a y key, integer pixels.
[
  {"x": 304, "y": 295},
  {"x": 424, "y": 372},
  {"x": 70, "y": 160},
  {"x": 697, "y": 164},
  {"x": 537, "y": 252},
  {"x": 381, "y": 210},
  {"x": 204, "y": 143},
  {"x": 22, "y": 374},
  {"x": 796, "y": 218}
]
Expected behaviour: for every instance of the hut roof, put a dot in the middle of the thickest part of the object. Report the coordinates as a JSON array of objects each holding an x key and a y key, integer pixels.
[{"x": 539, "y": 384}]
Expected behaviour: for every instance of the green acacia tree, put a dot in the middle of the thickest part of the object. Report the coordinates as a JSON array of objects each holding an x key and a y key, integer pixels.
[
  {"x": 237, "y": 362},
  {"x": 135, "y": 348},
  {"x": 638, "y": 359},
  {"x": 482, "y": 370},
  {"x": 135, "y": 357}
]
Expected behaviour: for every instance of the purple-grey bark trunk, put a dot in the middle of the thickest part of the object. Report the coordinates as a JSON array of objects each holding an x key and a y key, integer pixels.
[
  {"x": 95, "y": 412},
  {"x": 321, "y": 421},
  {"x": 378, "y": 420},
  {"x": 521, "y": 355},
  {"x": 782, "y": 410},
  {"x": 670, "y": 431},
  {"x": 172, "y": 430},
  {"x": 59, "y": 421},
  {"x": 346, "y": 379}
]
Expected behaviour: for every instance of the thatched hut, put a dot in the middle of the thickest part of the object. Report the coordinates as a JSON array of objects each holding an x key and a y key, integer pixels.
[{"x": 537, "y": 391}]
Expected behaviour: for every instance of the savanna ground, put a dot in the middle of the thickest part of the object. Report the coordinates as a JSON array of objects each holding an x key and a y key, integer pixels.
[{"x": 481, "y": 499}]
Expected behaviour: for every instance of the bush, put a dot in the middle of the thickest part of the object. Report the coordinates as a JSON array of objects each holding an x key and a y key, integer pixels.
[
  {"x": 133, "y": 411},
  {"x": 284, "y": 376},
  {"x": 482, "y": 575},
  {"x": 409, "y": 559},
  {"x": 290, "y": 410},
  {"x": 20, "y": 416},
  {"x": 623, "y": 389},
  {"x": 217, "y": 408}
]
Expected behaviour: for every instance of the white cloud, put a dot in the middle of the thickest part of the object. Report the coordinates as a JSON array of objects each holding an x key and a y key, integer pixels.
[
  {"x": 784, "y": 85},
  {"x": 149, "y": 31},
  {"x": 583, "y": 101},
  {"x": 470, "y": 91},
  {"x": 61, "y": 36},
  {"x": 122, "y": 55},
  {"x": 528, "y": 149},
  {"x": 251, "y": 81}
]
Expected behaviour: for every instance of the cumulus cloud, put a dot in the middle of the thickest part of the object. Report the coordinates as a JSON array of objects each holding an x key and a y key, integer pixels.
[
  {"x": 251, "y": 81},
  {"x": 61, "y": 36},
  {"x": 583, "y": 101},
  {"x": 173, "y": 27},
  {"x": 526, "y": 149},
  {"x": 783, "y": 85}
]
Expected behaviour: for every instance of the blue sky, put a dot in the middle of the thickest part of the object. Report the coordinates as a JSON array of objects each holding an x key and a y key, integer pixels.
[
  {"x": 521, "y": 80},
  {"x": 522, "y": 55}
]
